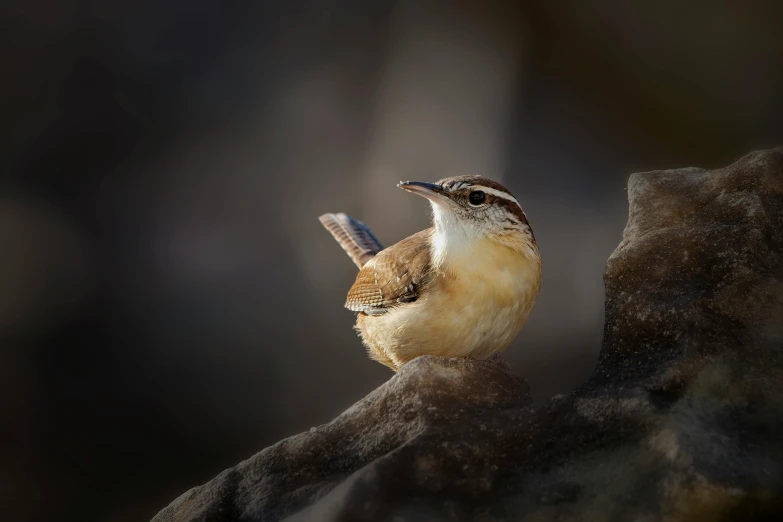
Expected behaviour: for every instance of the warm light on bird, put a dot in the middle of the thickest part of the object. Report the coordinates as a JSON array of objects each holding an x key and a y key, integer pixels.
[{"x": 462, "y": 288}]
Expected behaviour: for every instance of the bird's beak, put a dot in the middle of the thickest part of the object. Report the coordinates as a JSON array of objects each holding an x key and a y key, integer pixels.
[{"x": 431, "y": 191}]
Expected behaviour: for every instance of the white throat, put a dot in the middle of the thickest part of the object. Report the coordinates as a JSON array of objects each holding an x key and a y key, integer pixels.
[
  {"x": 460, "y": 241},
  {"x": 453, "y": 238}
]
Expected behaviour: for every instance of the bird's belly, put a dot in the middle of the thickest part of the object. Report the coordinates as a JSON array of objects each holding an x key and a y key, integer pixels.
[{"x": 477, "y": 322}]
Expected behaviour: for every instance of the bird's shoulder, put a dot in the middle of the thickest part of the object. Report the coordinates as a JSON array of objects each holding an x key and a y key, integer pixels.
[{"x": 394, "y": 277}]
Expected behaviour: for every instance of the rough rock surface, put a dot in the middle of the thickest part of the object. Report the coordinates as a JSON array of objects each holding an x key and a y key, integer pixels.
[{"x": 682, "y": 419}]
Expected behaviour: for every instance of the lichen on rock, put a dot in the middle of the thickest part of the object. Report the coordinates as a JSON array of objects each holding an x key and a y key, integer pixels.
[{"x": 680, "y": 421}]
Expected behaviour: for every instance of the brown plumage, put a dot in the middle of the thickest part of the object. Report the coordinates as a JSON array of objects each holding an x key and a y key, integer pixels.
[{"x": 395, "y": 276}]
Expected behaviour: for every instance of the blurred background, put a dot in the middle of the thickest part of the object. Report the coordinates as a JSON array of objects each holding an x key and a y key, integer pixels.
[{"x": 169, "y": 303}]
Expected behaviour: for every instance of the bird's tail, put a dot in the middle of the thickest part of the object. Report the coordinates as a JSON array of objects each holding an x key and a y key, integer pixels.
[{"x": 355, "y": 237}]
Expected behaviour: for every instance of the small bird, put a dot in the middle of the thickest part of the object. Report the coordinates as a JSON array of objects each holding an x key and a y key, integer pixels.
[{"x": 462, "y": 288}]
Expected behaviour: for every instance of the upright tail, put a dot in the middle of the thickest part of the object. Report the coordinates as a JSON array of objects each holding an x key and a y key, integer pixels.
[{"x": 355, "y": 237}]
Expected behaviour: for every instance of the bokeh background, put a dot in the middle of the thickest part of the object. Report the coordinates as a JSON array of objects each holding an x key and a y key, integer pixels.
[{"x": 169, "y": 304}]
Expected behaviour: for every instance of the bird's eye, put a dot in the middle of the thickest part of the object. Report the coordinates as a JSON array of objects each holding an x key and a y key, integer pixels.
[{"x": 477, "y": 197}]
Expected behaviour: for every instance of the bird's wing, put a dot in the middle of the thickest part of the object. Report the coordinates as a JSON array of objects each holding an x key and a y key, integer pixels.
[
  {"x": 355, "y": 237},
  {"x": 393, "y": 277}
]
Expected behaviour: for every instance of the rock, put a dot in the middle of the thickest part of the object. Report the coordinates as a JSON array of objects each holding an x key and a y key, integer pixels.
[
  {"x": 682, "y": 419},
  {"x": 699, "y": 268}
]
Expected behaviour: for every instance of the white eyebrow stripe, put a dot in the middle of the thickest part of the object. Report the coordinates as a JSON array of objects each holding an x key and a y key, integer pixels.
[{"x": 497, "y": 193}]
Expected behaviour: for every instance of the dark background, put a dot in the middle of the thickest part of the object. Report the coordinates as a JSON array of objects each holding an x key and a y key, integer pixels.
[{"x": 169, "y": 304}]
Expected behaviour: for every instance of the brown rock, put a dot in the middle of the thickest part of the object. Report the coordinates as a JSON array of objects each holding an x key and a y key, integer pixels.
[{"x": 682, "y": 419}]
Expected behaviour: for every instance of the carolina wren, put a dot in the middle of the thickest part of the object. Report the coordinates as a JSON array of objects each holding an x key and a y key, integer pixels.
[{"x": 462, "y": 288}]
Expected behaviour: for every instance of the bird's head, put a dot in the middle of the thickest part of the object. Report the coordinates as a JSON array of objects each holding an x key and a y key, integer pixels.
[{"x": 474, "y": 206}]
